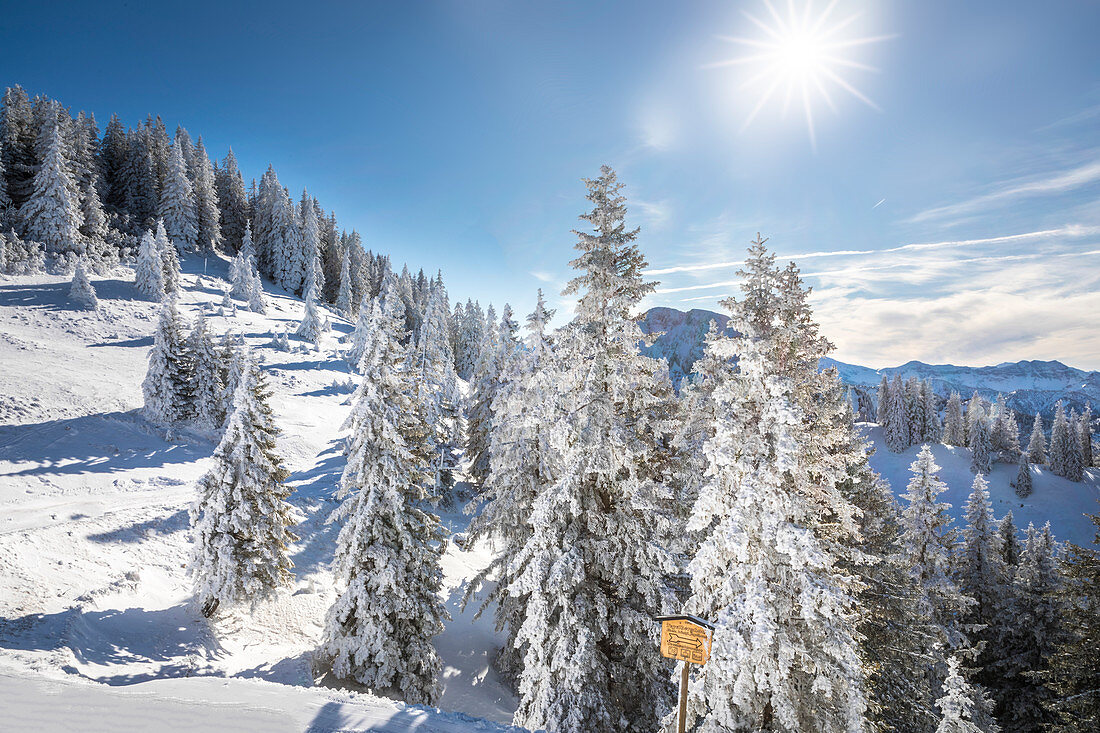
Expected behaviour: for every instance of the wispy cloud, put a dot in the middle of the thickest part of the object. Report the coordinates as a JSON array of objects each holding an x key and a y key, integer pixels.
[
  {"x": 541, "y": 276},
  {"x": 1059, "y": 182},
  {"x": 1069, "y": 231}
]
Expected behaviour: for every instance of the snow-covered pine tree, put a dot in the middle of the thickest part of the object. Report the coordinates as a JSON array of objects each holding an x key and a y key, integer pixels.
[
  {"x": 232, "y": 201},
  {"x": 1036, "y": 446},
  {"x": 784, "y": 655},
  {"x": 954, "y": 431},
  {"x": 593, "y": 567},
  {"x": 86, "y": 174},
  {"x": 240, "y": 522},
  {"x": 170, "y": 261},
  {"x": 81, "y": 292},
  {"x": 931, "y": 427},
  {"x": 168, "y": 380},
  {"x": 149, "y": 270},
  {"x": 309, "y": 240},
  {"x": 361, "y": 336},
  {"x": 343, "y": 302},
  {"x": 1074, "y": 464},
  {"x": 207, "y": 387},
  {"x": 51, "y": 214},
  {"x": 883, "y": 404},
  {"x": 523, "y": 462},
  {"x": 379, "y": 631},
  {"x": 975, "y": 410},
  {"x": 896, "y": 430},
  {"x": 234, "y": 360},
  {"x": 1084, "y": 430},
  {"x": 1023, "y": 483},
  {"x": 310, "y": 326},
  {"x": 256, "y": 291},
  {"x": 1024, "y": 699},
  {"x": 929, "y": 542},
  {"x": 914, "y": 410},
  {"x": 981, "y": 458},
  {"x": 981, "y": 571},
  {"x": 240, "y": 276},
  {"x": 208, "y": 233},
  {"x": 961, "y": 704},
  {"x": 485, "y": 377},
  {"x": 1010, "y": 544},
  {"x": 1074, "y": 668},
  {"x": 177, "y": 204}
]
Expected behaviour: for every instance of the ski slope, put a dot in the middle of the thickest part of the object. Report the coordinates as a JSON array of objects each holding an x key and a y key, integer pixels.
[{"x": 96, "y": 621}]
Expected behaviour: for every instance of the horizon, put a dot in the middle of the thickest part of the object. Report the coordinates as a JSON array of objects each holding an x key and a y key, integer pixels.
[{"x": 943, "y": 203}]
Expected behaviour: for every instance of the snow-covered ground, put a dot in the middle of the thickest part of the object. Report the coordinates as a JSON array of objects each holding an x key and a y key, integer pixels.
[
  {"x": 1056, "y": 500},
  {"x": 97, "y": 630},
  {"x": 93, "y": 534}
]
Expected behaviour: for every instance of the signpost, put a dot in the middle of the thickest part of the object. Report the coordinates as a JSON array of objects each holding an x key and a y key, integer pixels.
[{"x": 686, "y": 638}]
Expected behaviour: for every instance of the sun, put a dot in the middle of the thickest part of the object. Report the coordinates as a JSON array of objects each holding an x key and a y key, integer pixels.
[{"x": 800, "y": 56}]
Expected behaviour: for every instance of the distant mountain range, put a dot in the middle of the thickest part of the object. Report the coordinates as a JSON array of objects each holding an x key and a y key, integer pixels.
[{"x": 1028, "y": 386}]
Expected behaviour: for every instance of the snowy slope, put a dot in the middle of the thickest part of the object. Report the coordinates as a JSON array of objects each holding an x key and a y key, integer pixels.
[
  {"x": 93, "y": 525},
  {"x": 1056, "y": 500}
]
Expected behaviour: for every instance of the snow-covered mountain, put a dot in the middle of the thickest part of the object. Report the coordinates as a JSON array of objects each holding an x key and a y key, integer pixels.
[{"x": 1028, "y": 386}]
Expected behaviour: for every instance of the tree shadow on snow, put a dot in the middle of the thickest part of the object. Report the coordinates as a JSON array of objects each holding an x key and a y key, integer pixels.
[
  {"x": 55, "y": 296},
  {"x": 101, "y": 443},
  {"x": 141, "y": 531}
]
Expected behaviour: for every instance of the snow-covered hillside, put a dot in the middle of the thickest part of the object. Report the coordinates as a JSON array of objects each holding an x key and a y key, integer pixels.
[
  {"x": 1059, "y": 501},
  {"x": 93, "y": 534}
]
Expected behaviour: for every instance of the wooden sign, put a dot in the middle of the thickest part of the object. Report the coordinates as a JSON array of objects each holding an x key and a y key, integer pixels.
[{"x": 685, "y": 638}]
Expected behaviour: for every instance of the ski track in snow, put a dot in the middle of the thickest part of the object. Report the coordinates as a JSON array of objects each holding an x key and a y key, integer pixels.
[{"x": 97, "y": 627}]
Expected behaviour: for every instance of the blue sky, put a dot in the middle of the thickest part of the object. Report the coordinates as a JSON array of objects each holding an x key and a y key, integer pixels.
[{"x": 454, "y": 135}]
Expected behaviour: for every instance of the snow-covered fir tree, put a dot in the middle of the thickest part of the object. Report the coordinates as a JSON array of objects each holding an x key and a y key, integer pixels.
[
  {"x": 207, "y": 390},
  {"x": 883, "y": 403},
  {"x": 149, "y": 268},
  {"x": 240, "y": 276},
  {"x": 81, "y": 292},
  {"x": 896, "y": 429},
  {"x": 232, "y": 201},
  {"x": 170, "y": 261},
  {"x": 361, "y": 336},
  {"x": 1064, "y": 456},
  {"x": 1010, "y": 544},
  {"x": 914, "y": 410},
  {"x": 310, "y": 326},
  {"x": 485, "y": 378},
  {"x": 523, "y": 461},
  {"x": 167, "y": 387},
  {"x": 961, "y": 704},
  {"x": 1084, "y": 431},
  {"x": 1023, "y": 483},
  {"x": 177, "y": 204},
  {"x": 975, "y": 411},
  {"x": 954, "y": 429},
  {"x": 981, "y": 448},
  {"x": 981, "y": 571},
  {"x": 51, "y": 214},
  {"x": 343, "y": 302},
  {"x": 379, "y": 631},
  {"x": 1036, "y": 446},
  {"x": 1023, "y": 699},
  {"x": 593, "y": 568},
  {"x": 309, "y": 240},
  {"x": 208, "y": 233},
  {"x": 240, "y": 522},
  {"x": 929, "y": 541},
  {"x": 931, "y": 426}
]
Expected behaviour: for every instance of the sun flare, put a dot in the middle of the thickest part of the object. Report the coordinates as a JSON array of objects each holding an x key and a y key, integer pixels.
[{"x": 800, "y": 57}]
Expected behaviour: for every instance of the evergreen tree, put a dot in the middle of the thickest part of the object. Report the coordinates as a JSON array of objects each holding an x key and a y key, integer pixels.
[
  {"x": 232, "y": 202},
  {"x": 929, "y": 541},
  {"x": 149, "y": 269},
  {"x": 141, "y": 182},
  {"x": 361, "y": 336},
  {"x": 485, "y": 379},
  {"x": 981, "y": 564},
  {"x": 379, "y": 631},
  {"x": 1084, "y": 429},
  {"x": 1073, "y": 670},
  {"x": 170, "y": 261},
  {"x": 975, "y": 412},
  {"x": 1036, "y": 447},
  {"x": 240, "y": 522},
  {"x": 168, "y": 381},
  {"x": 981, "y": 460},
  {"x": 593, "y": 569},
  {"x": 207, "y": 214},
  {"x": 86, "y": 175},
  {"x": 343, "y": 296},
  {"x": 51, "y": 214},
  {"x": 1023, "y": 478},
  {"x": 523, "y": 462},
  {"x": 1010, "y": 544},
  {"x": 896, "y": 429},
  {"x": 310, "y": 326},
  {"x": 207, "y": 388},
  {"x": 17, "y": 135},
  {"x": 1025, "y": 699},
  {"x": 113, "y": 152},
  {"x": 914, "y": 410},
  {"x": 81, "y": 292},
  {"x": 931, "y": 427},
  {"x": 177, "y": 204},
  {"x": 954, "y": 429},
  {"x": 883, "y": 405},
  {"x": 240, "y": 276},
  {"x": 309, "y": 239},
  {"x": 960, "y": 705}
]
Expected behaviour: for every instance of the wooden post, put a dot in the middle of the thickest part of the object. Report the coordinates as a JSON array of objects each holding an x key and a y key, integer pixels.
[{"x": 681, "y": 719}]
